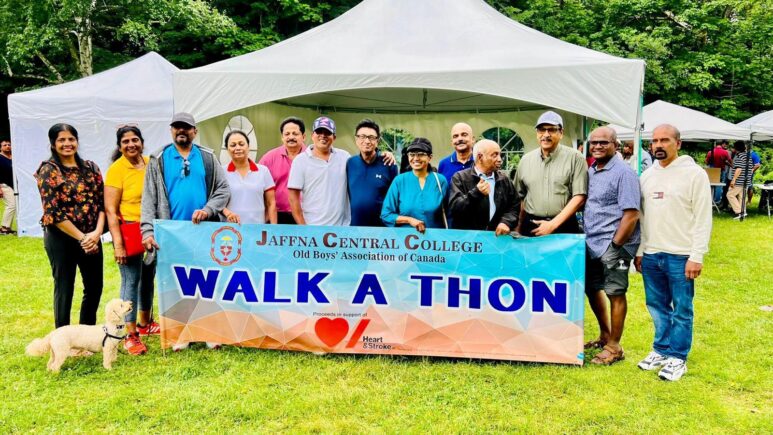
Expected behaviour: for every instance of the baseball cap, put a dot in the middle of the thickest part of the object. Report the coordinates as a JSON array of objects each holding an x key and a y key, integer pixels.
[
  {"x": 551, "y": 118},
  {"x": 325, "y": 123},
  {"x": 183, "y": 118},
  {"x": 420, "y": 144}
]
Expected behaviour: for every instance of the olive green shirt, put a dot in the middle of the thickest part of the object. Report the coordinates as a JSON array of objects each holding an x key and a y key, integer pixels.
[{"x": 545, "y": 185}]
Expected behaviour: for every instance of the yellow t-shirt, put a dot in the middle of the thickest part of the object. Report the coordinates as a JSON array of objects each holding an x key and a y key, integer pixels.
[{"x": 122, "y": 175}]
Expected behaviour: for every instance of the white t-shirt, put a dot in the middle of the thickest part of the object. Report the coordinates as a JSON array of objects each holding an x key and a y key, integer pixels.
[
  {"x": 324, "y": 197},
  {"x": 247, "y": 192}
]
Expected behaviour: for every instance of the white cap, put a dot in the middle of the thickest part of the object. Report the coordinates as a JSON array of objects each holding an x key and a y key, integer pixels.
[{"x": 551, "y": 118}]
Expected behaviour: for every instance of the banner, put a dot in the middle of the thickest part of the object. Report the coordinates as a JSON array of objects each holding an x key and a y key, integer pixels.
[{"x": 367, "y": 290}]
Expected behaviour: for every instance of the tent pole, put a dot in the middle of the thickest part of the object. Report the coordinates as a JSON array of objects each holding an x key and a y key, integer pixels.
[
  {"x": 746, "y": 177},
  {"x": 637, "y": 133}
]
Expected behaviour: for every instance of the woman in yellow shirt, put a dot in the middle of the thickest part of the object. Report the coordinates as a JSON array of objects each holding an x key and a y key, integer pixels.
[{"x": 123, "y": 198}]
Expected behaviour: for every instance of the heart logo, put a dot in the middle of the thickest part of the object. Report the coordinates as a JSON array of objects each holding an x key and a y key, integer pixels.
[{"x": 331, "y": 331}]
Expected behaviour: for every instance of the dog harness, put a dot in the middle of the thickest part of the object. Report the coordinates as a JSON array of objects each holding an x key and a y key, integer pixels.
[{"x": 108, "y": 335}]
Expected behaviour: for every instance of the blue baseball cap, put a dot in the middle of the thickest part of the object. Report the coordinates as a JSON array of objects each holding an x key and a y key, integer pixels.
[{"x": 325, "y": 123}]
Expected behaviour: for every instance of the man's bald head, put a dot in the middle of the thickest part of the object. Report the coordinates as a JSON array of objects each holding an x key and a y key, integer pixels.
[
  {"x": 462, "y": 137},
  {"x": 487, "y": 155}
]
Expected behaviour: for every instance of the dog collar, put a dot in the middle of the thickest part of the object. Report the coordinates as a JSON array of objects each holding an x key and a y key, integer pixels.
[{"x": 109, "y": 335}]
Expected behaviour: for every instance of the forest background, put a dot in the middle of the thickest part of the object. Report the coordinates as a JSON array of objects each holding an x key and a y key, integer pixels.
[{"x": 715, "y": 56}]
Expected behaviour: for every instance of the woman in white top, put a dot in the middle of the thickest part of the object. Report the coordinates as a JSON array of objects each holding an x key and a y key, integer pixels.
[{"x": 252, "y": 188}]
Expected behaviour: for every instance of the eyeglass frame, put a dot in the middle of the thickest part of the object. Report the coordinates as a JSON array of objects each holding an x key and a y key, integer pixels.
[{"x": 367, "y": 137}]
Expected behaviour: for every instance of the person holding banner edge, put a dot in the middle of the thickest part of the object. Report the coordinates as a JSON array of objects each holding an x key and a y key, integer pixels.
[
  {"x": 612, "y": 238},
  {"x": 183, "y": 181}
]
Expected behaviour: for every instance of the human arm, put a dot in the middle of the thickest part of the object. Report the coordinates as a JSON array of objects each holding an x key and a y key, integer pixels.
[
  {"x": 232, "y": 217},
  {"x": 218, "y": 199},
  {"x": 462, "y": 199},
  {"x": 702, "y": 221},
  {"x": 149, "y": 205},
  {"x": 112, "y": 203},
  {"x": 547, "y": 227},
  {"x": 388, "y": 158},
  {"x": 269, "y": 199},
  {"x": 294, "y": 196}
]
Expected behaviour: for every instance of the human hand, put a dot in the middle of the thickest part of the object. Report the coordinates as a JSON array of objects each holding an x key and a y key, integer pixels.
[
  {"x": 418, "y": 224},
  {"x": 388, "y": 158},
  {"x": 543, "y": 228},
  {"x": 198, "y": 216},
  {"x": 502, "y": 229},
  {"x": 90, "y": 242},
  {"x": 692, "y": 269},
  {"x": 119, "y": 253},
  {"x": 484, "y": 187},
  {"x": 234, "y": 218},
  {"x": 150, "y": 243}
]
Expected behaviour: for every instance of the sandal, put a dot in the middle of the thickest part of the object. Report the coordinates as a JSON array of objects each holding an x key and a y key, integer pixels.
[
  {"x": 595, "y": 344},
  {"x": 608, "y": 356}
]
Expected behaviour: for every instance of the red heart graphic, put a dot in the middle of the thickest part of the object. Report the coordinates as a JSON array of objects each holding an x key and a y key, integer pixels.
[{"x": 331, "y": 331}]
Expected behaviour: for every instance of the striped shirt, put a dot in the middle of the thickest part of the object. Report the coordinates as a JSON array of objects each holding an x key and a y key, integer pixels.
[{"x": 741, "y": 161}]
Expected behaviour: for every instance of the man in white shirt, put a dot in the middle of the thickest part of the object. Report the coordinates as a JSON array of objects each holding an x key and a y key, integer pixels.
[
  {"x": 317, "y": 183},
  {"x": 676, "y": 227}
]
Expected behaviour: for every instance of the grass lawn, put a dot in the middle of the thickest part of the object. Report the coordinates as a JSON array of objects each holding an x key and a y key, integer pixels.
[{"x": 729, "y": 386}]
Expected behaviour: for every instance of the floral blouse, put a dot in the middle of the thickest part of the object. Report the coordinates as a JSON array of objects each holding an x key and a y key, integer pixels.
[{"x": 71, "y": 194}]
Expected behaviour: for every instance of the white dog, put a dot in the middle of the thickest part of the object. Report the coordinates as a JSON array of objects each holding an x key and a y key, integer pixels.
[{"x": 93, "y": 338}]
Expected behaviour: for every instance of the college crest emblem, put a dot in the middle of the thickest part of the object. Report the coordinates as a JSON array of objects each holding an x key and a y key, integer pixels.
[{"x": 226, "y": 246}]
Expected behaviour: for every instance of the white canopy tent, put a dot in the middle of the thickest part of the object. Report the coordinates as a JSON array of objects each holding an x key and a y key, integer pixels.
[
  {"x": 418, "y": 58},
  {"x": 692, "y": 124},
  {"x": 761, "y": 126},
  {"x": 138, "y": 92}
]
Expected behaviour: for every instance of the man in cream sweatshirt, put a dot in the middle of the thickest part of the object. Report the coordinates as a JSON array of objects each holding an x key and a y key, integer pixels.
[{"x": 675, "y": 232}]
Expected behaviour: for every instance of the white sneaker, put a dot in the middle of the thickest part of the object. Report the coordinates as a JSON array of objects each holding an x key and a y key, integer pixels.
[
  {"x": 214, "y": 345},
  {"x": 674, "y": 370},
  {"x": 652, "y": 361},
  {"x": 179, "y": 347}
]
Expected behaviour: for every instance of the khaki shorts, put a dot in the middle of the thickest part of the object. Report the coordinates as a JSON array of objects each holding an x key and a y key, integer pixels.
[{"x": 608, "y": 272}]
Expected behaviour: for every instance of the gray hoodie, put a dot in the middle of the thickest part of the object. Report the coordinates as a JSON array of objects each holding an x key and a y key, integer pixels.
[{"x": 155, "y": 200}]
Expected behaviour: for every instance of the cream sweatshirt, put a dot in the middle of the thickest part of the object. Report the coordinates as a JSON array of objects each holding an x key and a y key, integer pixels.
[{"x": 676, "y": 209}]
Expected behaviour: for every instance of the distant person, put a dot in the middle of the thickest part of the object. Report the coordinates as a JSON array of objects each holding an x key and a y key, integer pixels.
[
  {"x": 252, "y": 188},
  {"x": 483, "y": 197},
  {"x": 368, "y": 176},
  {"x": 628, "y": 157},
  {"x": 719, "y": 157},
  {"x": 461, "y": 158},
  {"x": 740, "y": 179},
  {"x": 279, "y": 161},
  {"x": 123, "y": 198},
  {"x": 183, "y": 182},
  {"x": 6, "y": 187},
  {"x": 417, "y": 198},
  {"x": 317, "y": 184},
  {"x": 551, "y": 182},
  {"x": 756, "y": 163},
  {"x": 676, "y": 227},
  {"x": 72, "y": 193},
  {"x": 611, "y": 220}
]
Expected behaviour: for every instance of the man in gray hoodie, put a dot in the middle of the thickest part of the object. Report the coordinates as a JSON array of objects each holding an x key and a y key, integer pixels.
[{"x": 183, "y": 181}]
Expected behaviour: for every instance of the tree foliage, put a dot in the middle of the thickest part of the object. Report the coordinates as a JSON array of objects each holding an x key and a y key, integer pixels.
[{"x": 712, "y": 55}]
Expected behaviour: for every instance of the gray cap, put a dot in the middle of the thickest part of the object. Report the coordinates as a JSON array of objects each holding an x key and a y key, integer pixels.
[
  {"x": 183, "y": 118},
  {"x": 551, "y": 118}
]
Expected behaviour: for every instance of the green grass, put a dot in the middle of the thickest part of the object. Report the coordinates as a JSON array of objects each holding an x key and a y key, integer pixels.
[{"x": 728, "y": 387}]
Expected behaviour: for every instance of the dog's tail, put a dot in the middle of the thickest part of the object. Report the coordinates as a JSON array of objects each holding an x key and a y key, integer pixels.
[{"x": 39, "y": 347}]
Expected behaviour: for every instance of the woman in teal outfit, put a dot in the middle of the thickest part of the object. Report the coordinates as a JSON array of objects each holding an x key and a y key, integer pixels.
[{"x": 417, "y": 198}]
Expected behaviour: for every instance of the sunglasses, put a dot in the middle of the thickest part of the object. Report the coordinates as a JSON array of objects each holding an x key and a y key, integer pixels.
[{"x": 186, "y": 168}]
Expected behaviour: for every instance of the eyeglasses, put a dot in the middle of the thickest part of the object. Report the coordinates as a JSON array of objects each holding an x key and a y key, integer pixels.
[
  {"x": 603, "y": 143},
  {"x": 551, "y": 130},
  {"x": 417, "y": 155},
  {"x": 186, "y": 168},
  {"x": 366, "y": 137}
]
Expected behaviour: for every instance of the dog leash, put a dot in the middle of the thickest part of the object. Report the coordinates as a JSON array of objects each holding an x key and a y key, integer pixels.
[{"x": 107, "y": 334}]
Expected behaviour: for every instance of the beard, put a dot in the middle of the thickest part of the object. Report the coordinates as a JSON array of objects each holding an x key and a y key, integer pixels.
[{"x": 659, "y": 154}]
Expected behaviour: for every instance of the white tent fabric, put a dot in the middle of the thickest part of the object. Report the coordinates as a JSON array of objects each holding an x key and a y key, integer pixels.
[
  {"x": 692, "y": 124},
  {"x": 415, "y": 56},
  {"x": 137, "y": 92},
  {"x": 760, "y": 125}
]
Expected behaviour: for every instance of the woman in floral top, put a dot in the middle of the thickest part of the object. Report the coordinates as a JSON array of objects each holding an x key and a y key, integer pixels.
[{"x": 73, "y": 221}]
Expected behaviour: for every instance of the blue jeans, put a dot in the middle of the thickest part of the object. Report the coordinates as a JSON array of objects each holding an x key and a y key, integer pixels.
[
  {"x": 137, "y": 285},
  {"x": 669, "y": 300},
  {"x": 719, "y": 189}
]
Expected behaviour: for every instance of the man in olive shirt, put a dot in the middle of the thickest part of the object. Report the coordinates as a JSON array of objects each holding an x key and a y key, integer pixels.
[{"x": 551, "y": 182}]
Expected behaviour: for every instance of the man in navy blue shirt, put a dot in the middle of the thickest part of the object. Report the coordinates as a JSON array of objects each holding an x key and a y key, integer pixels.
[
  {"x": 462, "y": 158},
  {"x": 368, "y": 177}
]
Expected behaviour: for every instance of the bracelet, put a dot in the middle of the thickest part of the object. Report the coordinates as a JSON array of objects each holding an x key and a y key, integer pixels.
[{"x": 82, "y": 239}]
